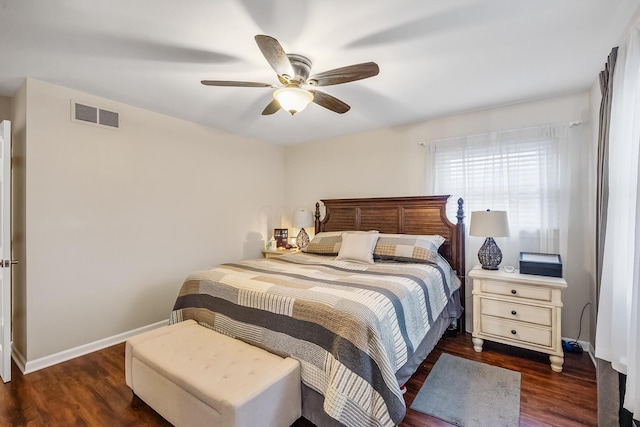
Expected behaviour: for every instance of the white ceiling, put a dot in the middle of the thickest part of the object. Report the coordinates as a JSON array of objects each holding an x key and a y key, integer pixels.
[{"x": 436, "y": 57}]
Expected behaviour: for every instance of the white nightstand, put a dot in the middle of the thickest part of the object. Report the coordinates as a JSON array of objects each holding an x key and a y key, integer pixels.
[
  {"x": 278, "y": 252},
  {"x": 522, "y": 310}
]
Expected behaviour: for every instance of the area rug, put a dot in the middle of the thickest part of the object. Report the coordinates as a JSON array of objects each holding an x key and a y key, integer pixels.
[{"x": 467, "y": 394}]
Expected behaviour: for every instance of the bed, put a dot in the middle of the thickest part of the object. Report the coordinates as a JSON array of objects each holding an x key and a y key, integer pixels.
[{"x": 359, "y": 329}]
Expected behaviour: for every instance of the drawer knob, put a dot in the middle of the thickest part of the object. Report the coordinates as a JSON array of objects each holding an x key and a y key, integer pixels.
[
  {"x": 513, "y": 312},
  {"x": 513, "y": 291},
  {"x": 513, "y": 331}
]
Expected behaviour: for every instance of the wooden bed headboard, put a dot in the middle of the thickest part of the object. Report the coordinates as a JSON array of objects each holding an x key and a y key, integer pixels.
[{"x": 400, "y": 215}]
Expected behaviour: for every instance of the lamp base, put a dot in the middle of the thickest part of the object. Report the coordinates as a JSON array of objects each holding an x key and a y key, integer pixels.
[
  {"x": 490, "y": 255},
  {"x": 303, "y": 239}
]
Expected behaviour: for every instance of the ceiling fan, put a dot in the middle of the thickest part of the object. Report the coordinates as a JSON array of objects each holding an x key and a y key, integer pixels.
[{"x": 293, "y": 73}]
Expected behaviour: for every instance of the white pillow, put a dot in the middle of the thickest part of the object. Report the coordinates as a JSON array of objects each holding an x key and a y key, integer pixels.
[{"x": 358, "y": 247}]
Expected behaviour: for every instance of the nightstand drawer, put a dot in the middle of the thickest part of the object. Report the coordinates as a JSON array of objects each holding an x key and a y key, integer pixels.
[
  {"x": 514, "y": 311},
  {"x": 518, "y": 291},
  {"x": 516, "y": 331}
]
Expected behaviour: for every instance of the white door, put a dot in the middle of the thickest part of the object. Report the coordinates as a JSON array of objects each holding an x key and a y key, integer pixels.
[{"x": 5, "y": 251}]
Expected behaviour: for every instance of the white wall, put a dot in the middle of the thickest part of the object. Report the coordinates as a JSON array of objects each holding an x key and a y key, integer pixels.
[
  {"x": 5, "y": 108},
  {"x": 18, "y": 117},
  {"x": 390, "y": 162},
  {"x": 116, "y": 219}
]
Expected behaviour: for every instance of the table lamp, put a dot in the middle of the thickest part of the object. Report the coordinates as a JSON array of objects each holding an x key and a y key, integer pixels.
[
  {"x": 302, "y": 218},
  {"x": 489, "y": 224}
]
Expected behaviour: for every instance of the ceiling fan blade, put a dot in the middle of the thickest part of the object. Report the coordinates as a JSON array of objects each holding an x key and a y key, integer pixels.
[
  {"x": 275, "y": 55},
  {"x": 272, "y": 108},
  {"x": 329, "y": 102},
  {"x": 234, "y": 84},
  {"x": 346, "y": 74}
]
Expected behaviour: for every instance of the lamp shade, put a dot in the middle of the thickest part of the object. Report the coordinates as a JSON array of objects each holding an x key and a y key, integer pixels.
[
  {"x": 302, "y": 218},
  {"x": 489, "y": 224},
  {"x": 293, "y": 99}
]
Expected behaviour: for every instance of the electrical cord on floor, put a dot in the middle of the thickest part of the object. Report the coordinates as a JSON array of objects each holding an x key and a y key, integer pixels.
[{"x": 574, "y": 346}]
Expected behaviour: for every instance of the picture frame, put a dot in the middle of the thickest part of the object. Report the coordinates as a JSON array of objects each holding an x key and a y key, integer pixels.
[{"x": 282, "y": 237}]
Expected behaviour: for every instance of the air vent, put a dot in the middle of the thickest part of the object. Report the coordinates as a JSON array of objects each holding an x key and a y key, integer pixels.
[
  {"x": 90, "y": 115},
  {"x": 109, "y": 118},
  {"x": 86, "y": 113}
]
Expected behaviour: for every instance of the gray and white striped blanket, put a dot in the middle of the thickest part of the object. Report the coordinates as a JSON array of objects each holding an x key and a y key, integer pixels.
[{"x": 351, "y": 326}]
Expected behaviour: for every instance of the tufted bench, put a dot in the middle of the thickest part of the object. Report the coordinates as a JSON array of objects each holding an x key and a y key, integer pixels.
[{"x": 194, "y": 376}]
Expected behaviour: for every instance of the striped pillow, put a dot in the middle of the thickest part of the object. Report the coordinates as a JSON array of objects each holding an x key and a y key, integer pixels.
[{"x": 408, "y": 248}]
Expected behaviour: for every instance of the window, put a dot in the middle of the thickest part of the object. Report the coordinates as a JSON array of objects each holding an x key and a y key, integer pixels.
[{"x": 516, "y": 171}]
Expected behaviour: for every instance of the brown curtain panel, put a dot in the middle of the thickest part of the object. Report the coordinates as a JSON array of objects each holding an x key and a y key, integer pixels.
[
  {"x": 602, "y": 195},
  {"x": 607, "y": 379}
]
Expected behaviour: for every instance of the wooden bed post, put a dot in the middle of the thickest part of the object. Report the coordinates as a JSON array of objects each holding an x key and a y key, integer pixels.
[
  {"x": 317, "y": 217},
  {"x": 461, "y": 264}
]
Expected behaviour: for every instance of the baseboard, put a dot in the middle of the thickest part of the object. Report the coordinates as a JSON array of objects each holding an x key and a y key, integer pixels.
[
  {"x": 27, "y": 367},
  {"x": 587, "y": 347},
  {"x": 592, "y": 355},
  {"x": 18, "y": 358}
]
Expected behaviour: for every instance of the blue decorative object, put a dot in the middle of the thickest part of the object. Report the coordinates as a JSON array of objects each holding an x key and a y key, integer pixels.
[
  {"x": 489, "y": 224},
  {"x": 490, "y": 255},
  {"x": 540, "y": 264}
]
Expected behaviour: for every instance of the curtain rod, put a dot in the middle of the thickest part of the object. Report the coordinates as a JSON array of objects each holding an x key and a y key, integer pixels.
[{"x": 570, "y": 124}]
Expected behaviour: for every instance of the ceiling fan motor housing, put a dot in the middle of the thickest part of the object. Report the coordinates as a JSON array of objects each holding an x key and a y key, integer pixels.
[{"x": 301, "y": 66}]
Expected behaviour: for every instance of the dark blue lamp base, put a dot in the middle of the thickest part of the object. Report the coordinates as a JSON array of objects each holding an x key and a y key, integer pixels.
[
  {"x": 303, "y": 239},
  {"x": 490, "y": 255}
]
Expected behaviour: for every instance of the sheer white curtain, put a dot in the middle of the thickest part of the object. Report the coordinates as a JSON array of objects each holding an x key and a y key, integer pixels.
[
  {"x": 517, "y": 171},
  {"x": 618, "y": 322}
]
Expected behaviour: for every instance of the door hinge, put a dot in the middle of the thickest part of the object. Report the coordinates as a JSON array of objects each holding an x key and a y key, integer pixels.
[{"x": 7, "y": 263}]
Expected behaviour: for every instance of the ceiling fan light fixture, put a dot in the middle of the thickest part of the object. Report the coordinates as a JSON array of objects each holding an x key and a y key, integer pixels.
[{"x": 293, "y": 99}]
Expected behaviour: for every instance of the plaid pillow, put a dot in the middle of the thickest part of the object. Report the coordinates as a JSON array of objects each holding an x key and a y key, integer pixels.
[
  {"x": 327, "y": 243},
  {"x": 408, "y": 248}
]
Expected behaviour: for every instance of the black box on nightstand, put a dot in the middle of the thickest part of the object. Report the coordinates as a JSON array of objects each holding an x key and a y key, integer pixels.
[{"x": 540, "y": 264}]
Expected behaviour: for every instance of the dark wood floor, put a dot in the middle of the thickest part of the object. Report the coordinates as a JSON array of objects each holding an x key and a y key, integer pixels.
[
  {"x": 90, "y": 390},
  {"x": 547, "y": 398}
]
